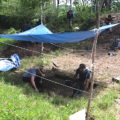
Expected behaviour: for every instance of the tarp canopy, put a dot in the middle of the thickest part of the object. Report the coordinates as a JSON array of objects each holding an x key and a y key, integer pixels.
[
  {"x": 40, "y": 29},
  {"x": 42, "y": 34}
]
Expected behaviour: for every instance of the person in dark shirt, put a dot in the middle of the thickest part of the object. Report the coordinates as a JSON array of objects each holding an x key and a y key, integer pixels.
[
  {"x": 33, "y": 76},
  {"x": 82, "y": 77},
  {"x": 70, "y": 14},
  {"x": 109, "y": 21}
]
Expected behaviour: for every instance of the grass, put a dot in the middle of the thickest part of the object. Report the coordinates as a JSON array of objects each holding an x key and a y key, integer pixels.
[
  {"x": 104, "y": 105},
  {"x": 18, "y": 101}
]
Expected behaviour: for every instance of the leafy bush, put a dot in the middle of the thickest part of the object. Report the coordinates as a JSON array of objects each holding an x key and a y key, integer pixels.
[{"x": 11, "y": 31}]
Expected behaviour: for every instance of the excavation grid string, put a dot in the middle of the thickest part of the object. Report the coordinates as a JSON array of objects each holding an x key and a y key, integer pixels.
[{"x": 43, "y": 77}]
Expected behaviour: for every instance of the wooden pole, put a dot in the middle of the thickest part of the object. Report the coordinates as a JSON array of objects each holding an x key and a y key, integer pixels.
[
  {"x": 93, "y": 59},
  {"x": 58, "y": 3},
  {"x": 70, "y": 4},
  {"x": 70, "y": 20},
  {"x": 42, "y": 44}
]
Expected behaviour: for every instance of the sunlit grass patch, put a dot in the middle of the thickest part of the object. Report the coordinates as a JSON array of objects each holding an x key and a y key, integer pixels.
[{"x": 104, "y": 105}]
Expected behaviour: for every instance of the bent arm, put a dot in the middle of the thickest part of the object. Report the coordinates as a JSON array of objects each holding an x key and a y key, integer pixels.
[
  {"x": 33, "y": 82},
  {"x": 42, "y": 74},
  {"x": 75, "y": 77},
  {"x": 86, "y": 83},
  {"x": 76, "y": 74}
]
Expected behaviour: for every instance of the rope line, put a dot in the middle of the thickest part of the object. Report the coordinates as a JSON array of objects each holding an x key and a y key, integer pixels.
[
  {"x": 61, "y": 46},
  {"x": 21, "y": 48},
  {"x": 73, "y": 50},
  {"x": 43, "y": 77},
  {"x": 29, "y": 49},
  {"x": 32, "y": 50},
  {"x": 41, "y": 52},
  {"x": 67, "y": 48}
]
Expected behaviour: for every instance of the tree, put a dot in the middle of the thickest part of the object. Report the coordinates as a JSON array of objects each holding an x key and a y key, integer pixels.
[{"x": 104, "y": 4}]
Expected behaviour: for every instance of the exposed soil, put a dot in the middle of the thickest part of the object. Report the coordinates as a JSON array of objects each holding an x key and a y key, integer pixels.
[{"x": 106, "y": 66}]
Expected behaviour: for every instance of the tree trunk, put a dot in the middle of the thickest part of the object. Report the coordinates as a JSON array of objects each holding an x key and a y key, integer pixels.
[
  {"x": 54, "y": 2},
  {"x": 106, "y": 4}
]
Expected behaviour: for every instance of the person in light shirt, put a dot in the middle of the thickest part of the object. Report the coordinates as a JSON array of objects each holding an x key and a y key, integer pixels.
[{"x": 33, "y": 76}]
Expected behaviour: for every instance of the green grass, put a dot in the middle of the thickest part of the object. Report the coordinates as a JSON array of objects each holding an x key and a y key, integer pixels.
[
  {"x": 19, "y": 101},
  {"x": 104, "y": 106}
]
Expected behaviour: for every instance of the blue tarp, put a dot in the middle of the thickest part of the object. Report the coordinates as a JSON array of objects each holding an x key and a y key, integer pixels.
[
  {"x": 42, "y": 34},
  {"x": 40, "y": 29},
  {"x": 7, "y": 64}
]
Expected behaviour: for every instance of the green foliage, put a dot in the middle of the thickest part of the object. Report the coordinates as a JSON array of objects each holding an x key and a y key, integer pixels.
[
  {"x": 85, "y": 16},
  {"x": 58, "y": 22},
  {"x": 4, "y": 46},
  {"x": 11, "y": 31},
  {"x": 55, "y": 18},
  {"x": 57, "y": 52},
  {"x": 116, "y": 6},
  {"x": 20, "y": 11},
  {"x": 30, "y": 4}
]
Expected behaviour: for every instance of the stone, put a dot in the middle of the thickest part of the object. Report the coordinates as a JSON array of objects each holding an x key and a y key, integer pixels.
[
  {"x": 117, "y": 101},
  {"x": 116, "y": 79},
  {"x": 81, "y": 115}
]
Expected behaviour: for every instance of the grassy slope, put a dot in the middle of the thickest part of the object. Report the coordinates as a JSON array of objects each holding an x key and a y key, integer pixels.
[{"x": 19, "y": 102}]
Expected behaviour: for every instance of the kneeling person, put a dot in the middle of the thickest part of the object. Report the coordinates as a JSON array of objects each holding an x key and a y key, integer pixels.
[
  {"x": 33, "y": 76},
  {"x": 83, "y": 81}
]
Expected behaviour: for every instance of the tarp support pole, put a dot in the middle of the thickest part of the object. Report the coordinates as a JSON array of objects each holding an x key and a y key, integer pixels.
[
  {"x": 41, "y": 12},
  {"x": 93, "y": 60},
  {"x": 70, "y": 20},
  {"x": 42, "y": 44},
  {"x": 42, "y": 47}
]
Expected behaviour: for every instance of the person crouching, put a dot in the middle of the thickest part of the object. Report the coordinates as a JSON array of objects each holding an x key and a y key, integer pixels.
[{"x": 35, "y": 77}]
